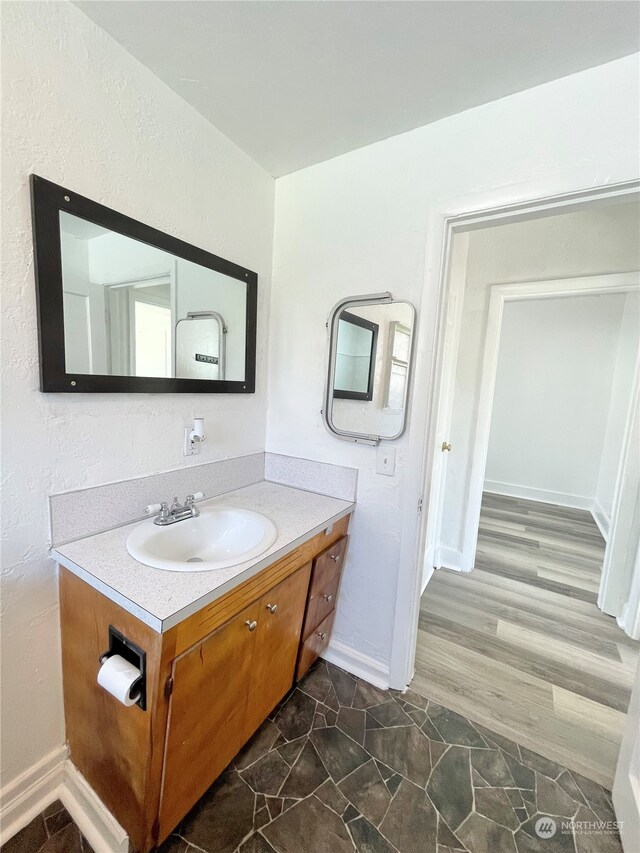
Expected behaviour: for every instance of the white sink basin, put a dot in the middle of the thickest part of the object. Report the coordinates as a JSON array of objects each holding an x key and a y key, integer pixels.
[{"x": 220, "y": 537}]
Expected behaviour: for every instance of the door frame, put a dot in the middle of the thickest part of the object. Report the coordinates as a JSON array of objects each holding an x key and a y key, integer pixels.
[
  {"x": 499, "y": 295},
  {"x": 626, "y": 783},
  {"x": 446, "y": 218},
  {"x": 618, "y": 598}
]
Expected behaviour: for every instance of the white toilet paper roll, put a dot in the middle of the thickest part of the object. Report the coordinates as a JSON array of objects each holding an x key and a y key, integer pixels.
[{"x": 118, "y": 676}]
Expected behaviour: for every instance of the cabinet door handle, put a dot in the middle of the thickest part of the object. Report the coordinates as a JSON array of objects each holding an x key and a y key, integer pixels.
[
  {"x": 272, "y": 608},
  {"x": 251, "y": 624},
  {"x": 334, "y": 557},
  {"x": 328, "y": 597},
  {"x": 322, "y": 634}
]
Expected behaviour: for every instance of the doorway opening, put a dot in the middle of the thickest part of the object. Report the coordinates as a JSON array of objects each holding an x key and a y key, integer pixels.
[{"x": 530, "y": 535}]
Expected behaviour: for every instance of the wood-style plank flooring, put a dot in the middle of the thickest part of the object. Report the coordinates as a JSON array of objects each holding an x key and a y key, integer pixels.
[{"x": 519, "y": 645}]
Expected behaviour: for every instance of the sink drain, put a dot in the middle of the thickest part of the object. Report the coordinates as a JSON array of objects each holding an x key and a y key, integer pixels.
[{"x": 195, "y": 560}]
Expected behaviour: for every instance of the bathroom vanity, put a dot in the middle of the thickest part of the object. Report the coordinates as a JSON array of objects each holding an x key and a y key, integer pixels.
[{"x": 221, "y": 649}]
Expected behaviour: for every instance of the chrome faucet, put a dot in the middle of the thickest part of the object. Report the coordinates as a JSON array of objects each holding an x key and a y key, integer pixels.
[{"x": 177, "y": 511}]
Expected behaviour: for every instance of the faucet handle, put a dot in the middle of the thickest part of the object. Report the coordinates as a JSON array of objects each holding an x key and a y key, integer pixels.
[
  {"x": 162, "y": 508},
  {"x": 196, "y": 496}
]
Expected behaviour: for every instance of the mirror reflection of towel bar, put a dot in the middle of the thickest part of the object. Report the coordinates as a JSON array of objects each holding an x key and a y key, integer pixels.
[{"x": 222, "y": 331}]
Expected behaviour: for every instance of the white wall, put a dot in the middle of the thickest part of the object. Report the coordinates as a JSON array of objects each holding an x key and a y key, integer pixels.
[
  {"x": 358, "y": 223},
  {"x": 621, "y": 393},
  {"x": 600, "y": 240},
  {"x": 552, "y": 397},
  {"x": 79, "y": 110}
]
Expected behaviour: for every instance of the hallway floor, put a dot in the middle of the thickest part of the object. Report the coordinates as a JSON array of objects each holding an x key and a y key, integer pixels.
[
  {"x": 342, "y": 767},
  {"x": 519, "y": 645}
]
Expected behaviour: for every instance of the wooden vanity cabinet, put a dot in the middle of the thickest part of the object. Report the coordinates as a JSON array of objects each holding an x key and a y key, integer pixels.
[{"x": 211, "y": 682}]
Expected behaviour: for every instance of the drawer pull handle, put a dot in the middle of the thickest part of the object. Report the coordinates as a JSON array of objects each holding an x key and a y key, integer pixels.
[
  {"x": 328, "y": 597},
  {"x": 272, "y": 608},
  {"x": 334, "y": 557},
  {"x": 322, "y": 634},
  {"x": 251, "y": 624}
]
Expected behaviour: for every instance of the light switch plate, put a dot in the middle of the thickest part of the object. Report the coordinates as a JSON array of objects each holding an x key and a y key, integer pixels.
[{"x": 386, "y": 460}]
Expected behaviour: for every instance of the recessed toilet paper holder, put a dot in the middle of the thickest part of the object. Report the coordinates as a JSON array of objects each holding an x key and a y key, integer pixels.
[{"x": 121, "y": 645}]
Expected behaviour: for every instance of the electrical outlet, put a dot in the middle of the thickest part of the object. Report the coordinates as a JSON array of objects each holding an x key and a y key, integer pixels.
[
  {"x": 191, "y": 448},
  {"x": 386, "y": 460}
]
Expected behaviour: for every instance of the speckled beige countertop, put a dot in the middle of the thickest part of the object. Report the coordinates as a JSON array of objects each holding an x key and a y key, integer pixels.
[{"x": 161, "y": 598}]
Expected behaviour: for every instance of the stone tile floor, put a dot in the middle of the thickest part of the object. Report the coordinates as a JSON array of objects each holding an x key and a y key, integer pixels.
[
  {"x": 341, "y": 766},
  {"x": 53, "y": 831}
]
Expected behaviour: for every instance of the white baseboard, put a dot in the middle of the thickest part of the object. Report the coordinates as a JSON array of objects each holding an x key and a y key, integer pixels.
[
  {"x": 27, "y": 795},
  {"x": 55, "y": 777},
  {"x": 450, "y": 558},
  {"x": 94, "y": 820},
  {"x": 602, "y": 519},
  {"x": 529, "y": 493},
  {"x": 357, "y": 663}
]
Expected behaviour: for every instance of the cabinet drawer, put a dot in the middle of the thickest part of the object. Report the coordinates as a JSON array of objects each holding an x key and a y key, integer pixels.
[
  {"x": 328, "y": 565},
  {"x": 321, "y": 603},
  {"x": 314, "y": 645}
]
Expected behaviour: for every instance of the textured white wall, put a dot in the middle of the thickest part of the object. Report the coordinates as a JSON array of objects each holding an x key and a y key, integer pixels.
[
  {"x": 553, "y": 389},
  {"x": 358, "y": 223},
  {"x": 600, "y": 240},
  {"x": 79, "y": 110}
]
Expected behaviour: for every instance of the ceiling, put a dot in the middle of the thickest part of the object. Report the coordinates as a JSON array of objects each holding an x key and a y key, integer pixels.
[
  {"x": 81, "y": 228},
  {"x": 295, "y": 82}
]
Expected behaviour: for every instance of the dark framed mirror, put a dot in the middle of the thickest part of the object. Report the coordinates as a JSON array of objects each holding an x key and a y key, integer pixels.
[
  {"x": 124, "y": 307},
  {"x": 355, "y": 357}
]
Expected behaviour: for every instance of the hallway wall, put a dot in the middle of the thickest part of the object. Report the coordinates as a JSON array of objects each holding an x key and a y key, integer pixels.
[{"x": 552, "y": 398}]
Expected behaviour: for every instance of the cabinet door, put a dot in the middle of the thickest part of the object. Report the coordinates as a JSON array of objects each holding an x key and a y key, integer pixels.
[
  {"x": 281, "y": 611},
  {"x": 207, "y": 713}
]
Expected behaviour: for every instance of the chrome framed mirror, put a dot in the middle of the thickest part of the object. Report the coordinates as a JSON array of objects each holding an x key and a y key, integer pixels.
[{"x": 369, "y": 368}]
